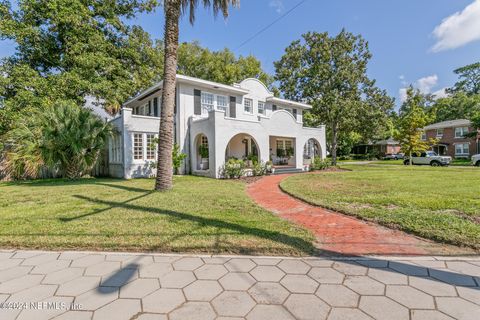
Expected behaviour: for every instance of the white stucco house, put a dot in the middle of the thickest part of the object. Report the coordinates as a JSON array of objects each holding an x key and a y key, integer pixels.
[{"x": 243, "y": 120}]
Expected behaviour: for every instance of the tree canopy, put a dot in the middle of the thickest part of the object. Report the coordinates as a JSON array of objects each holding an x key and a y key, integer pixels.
[
  {"x": 412, "y": 119},
  {"x": 468, "y": 79},
  {"x": 331, "y": 74},
  {"x": 219, "y": 66},
  {"x": 69, "y": 49}
]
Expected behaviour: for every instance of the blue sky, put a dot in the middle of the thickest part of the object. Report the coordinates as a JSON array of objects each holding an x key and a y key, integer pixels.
[{"x": 412, "y": 41}]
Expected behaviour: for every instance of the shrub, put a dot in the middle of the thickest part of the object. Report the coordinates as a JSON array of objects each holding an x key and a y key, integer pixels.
[
  {"x": 319, "y": 164},
  {"x": 64, "y": 138},
  {"x": 177, "y": 158},
  {"x": 203, "y": 151},
  {"x": 233, "y": 169},
  {"x": 259, "y": 169}
]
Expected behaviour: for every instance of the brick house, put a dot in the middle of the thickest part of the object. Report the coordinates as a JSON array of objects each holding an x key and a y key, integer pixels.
[
  {"x": 451, "y": 140},
  {"x": 382, "y": 147}
]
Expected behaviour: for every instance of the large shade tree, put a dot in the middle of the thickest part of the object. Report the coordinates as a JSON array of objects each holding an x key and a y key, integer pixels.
[
  {"x": 331, "y": 74},
  {"x": 173, "y": 10},
  {"x": 68, "y": 50}
]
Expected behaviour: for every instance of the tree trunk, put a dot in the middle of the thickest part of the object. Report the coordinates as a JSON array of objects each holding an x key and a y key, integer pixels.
[
  {"x": 334, "y": 145},
  {"x": 165, "y": 137},
  {"x": 410, "y": 160}
]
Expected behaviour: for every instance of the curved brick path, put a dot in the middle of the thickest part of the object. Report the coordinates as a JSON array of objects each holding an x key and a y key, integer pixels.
[{"x": 336, "y": 232}]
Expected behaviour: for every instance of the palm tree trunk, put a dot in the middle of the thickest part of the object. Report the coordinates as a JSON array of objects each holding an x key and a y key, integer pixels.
[{"x": 165, "y": 137}]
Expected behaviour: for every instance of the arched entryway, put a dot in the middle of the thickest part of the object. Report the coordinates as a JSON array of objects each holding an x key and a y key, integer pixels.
[
  {"x": 202, "y": 152},
  {"x": 311, "y": 149},
  {"x": 244, "y": 147}
]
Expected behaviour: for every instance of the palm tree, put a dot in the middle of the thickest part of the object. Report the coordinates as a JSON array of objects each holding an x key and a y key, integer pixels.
[{"x": 173, "y": 10}]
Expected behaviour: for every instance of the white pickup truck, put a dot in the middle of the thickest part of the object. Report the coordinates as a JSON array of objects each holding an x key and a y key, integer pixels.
[
  {"x": 428, "y": 158},
  {"x": 476, "y": 160}
]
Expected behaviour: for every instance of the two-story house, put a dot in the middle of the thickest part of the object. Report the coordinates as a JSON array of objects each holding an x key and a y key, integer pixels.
[
  {"x": 451, "y": 138},
  {"x": 213, "y": 123}
]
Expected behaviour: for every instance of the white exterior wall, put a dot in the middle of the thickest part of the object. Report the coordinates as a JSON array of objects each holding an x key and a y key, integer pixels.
[{"x": 218, "y": 127}]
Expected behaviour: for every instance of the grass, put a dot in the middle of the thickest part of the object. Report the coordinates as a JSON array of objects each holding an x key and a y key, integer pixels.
[
  {"x": 437, "y": 203},
  {"x": 199, "y": 215}
]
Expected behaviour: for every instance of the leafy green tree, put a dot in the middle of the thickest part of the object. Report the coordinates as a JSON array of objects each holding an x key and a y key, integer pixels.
[
  {"x": 63, "y": 137},
  {"x": 331, "y": 74},
  {"x": 219, "y": 66},
  {"x": 412, "y": 119},
  {"x": 469, "y": 79},
  {"x": 456, "y": 106},
  {"x": 173, "y": 9},
  {"x": 69, "y": 49}
]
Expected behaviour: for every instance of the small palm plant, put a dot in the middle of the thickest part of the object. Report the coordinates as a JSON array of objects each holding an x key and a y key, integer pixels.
[{"x": 65, "y": 137}]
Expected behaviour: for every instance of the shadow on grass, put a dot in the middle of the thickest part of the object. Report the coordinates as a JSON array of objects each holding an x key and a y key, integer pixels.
[
  {"x": 292, "y": 241},
  {"x": 119, "y": 204},
  {"x": 306, "y": 247}
]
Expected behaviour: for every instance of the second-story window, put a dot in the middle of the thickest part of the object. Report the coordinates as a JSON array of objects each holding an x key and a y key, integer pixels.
[
  {"x": 261, "y": 107},
  {"x": 222, "y": 103},
  {"x": 460, "y": 132},
  {"x": 248, "y": 105},
  {"x": 207, "y": 102},
  {"x": 439, "y": 132}
]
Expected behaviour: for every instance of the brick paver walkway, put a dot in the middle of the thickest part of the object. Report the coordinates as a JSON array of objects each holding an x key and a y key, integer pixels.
[
  {"x": 76, "y": 285},
  {"x": 338, "y": 233}
]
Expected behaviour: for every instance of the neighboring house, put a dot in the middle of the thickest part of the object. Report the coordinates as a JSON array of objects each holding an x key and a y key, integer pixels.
[
  {"x": 451, "y": 139},
  {"x": 241, "y": 121},
  {"x": 382, "y": 147}
]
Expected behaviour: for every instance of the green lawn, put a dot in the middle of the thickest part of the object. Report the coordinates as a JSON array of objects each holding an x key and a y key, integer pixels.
[
  {"x": 199, "y": 215},
  {"x": 436, "y": 203}
]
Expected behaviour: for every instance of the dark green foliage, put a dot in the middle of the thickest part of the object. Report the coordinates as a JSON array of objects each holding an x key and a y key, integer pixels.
[
  {"x": 331, "y": 74},
  {"x": 64, "y": 137},
  {"x": 69, "y": 49}
]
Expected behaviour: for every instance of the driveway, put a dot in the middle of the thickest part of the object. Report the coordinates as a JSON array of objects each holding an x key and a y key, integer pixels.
[{"x": 95, "y": 285}]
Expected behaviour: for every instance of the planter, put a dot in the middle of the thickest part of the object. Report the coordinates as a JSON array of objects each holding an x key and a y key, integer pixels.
[{"x": 204, "y": 164}]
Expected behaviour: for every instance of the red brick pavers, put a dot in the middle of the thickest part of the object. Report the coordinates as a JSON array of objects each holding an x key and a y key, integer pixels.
[{"x": 336, "y": 232}]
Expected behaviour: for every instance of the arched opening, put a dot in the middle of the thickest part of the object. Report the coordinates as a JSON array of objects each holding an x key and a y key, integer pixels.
[
  {"x": 244, "y": 147},
  {"x": 202, "y": 152},
  {"x": 311, "y": 149}
]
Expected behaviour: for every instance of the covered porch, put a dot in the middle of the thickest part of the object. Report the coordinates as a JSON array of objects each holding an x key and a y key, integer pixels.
[
  {"x": 441, "y": 149},
  {"x": 282, "y": 151}
]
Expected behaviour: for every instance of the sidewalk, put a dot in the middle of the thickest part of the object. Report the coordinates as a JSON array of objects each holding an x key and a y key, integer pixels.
[{"x": 155, "y": 286}]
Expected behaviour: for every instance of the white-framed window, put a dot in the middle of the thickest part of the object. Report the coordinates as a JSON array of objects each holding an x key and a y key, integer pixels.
[
  {"x": 138, "y": 146},
  {"x": 115, "y": 149},
  {"x": 462, "y": 149},
  {"x": 222, "y": 103},
  {"x": 439, "y": 132},
  {"x": 261, "y": 107},
  {"x": 151, "y": 146},
  {"x": 207, "y": 102},
  {"x": 248, "y": 105},
  {"x": 460, "y": 132},
  {"x": 424, "y": 135}
]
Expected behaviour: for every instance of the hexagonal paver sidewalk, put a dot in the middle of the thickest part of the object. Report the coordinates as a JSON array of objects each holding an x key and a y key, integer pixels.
[{"x": 87, "y": 286}]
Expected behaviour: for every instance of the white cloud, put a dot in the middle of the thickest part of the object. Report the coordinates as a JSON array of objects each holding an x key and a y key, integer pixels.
[
  {"x": 402, "y": 93},
  {"x": 425, "y": 85},
  {"x": 458, "y": 29},
  {"x": 277, "y": 5},
  {"x": 442, "y": 93}
]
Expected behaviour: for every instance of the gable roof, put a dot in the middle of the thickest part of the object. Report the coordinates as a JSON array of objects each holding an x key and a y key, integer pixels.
[{"x": 449, "y": 124}]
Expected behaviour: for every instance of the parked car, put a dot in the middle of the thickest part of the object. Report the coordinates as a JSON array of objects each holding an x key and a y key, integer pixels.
[
  {"x": 476, "y": 160},
  {"x": 428, "y": 158},
  {"x": 393, "y": 156}
]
